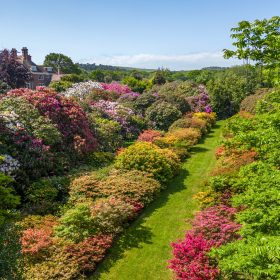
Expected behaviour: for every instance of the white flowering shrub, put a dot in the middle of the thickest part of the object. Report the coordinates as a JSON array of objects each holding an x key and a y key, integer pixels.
[
  {"x": 11, "y": 120},
  {"x": 80, "y": 90},
  {"x": 8, "y": 164}
]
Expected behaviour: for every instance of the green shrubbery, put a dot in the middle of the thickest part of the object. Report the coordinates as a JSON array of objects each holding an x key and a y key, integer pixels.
[
  {"x": 162, "y": 114},
  {"x": 253, "y": 188}
]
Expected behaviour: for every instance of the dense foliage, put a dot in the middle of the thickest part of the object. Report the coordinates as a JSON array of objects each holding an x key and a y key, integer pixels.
[
  {"x": 13, "y": 73},
  {"x": 240, "y": 217}
]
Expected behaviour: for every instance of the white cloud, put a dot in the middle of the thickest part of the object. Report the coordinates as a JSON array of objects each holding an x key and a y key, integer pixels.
[{"x": 173, "y": 62}]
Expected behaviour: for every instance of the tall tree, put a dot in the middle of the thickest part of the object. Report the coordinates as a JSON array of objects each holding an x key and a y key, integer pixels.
[
  {"x": 61, "y": 63},
  {"x": 12, "y": 72},
  {"x": 259, "y": 42}
]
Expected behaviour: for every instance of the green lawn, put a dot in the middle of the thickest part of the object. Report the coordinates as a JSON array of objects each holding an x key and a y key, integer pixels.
[{"x": 142, "y": 251}]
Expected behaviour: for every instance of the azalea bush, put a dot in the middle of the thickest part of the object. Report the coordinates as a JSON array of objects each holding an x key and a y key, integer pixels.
[
  {"x": 150, "y": 135},
  {"x": 134, "y": 185},
  {"x": 144, "y": 156},
  {"x": 191, "y": 260}
]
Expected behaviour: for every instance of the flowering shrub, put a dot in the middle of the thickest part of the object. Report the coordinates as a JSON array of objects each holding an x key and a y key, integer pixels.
[
  {"x": 182, "y": 137},
  {"x": 212, "y": 227},
  {"x": 116, "y": 87},
  {"x": 191, "y": 260},
  {"x": 35, "y": 240},
  {"x": 209, "y": 117},
  {"x": 162, "y": 114},
  {"x": 81, "y": 90},
  {"x": 66, "y": 115},
  {"x": 200, "y": 103},
  {"x": 18, "y": 113},
  {"x": 179, "y": 140},
  {"x": 149, "y": 135},
  {"x": 232, "y": 162},
  {"x": 148, "y": 157},
  {"x": 8, "y": 165},
  {"x": 35, "y": 158},
  {"x": 89, "y": 252},
  {"x": 217, "y": 224},
  {"x": 132, "y": 185},
  {"x": 110, "y": 214},
  {"x": 108, "y": 133},
  {"x": 115, "y": 111}
]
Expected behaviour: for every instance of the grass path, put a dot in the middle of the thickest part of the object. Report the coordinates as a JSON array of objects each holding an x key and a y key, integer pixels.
[{"x": 141, "y": 253}]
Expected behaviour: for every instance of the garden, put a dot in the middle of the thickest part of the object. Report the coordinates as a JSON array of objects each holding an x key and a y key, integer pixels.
[
  {"x": 77, "y": 167},
  {"x": 121, "y": 173}
]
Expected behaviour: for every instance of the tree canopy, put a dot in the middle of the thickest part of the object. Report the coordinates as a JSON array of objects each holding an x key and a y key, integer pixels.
[{"x": 62, "y": 63}]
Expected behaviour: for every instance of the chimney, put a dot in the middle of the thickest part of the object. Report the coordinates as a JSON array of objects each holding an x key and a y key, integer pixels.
[
  {"x": 14, "y": 53},
  {"x": 24, "y": 51},
  {"x": 29, "y": 57}
]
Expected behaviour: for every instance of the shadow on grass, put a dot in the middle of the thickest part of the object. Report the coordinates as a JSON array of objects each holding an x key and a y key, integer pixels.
[{"x": 137, "y": 234}]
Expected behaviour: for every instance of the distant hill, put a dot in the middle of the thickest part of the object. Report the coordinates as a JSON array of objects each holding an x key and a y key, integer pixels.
[
  {"x": 93, "y": 66},
  {"x": 214, "y": 68}
]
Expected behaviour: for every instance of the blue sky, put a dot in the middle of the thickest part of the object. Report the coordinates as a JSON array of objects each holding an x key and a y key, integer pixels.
[{"x": 178, "y": 34}]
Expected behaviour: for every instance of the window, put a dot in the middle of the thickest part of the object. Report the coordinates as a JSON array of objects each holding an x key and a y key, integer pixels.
[
  {"x": 41, "y": 85},
  {"x": 33, "y": 68},
  {"x": 28, "y": 85},
  {"x": 41, "y": 77}
]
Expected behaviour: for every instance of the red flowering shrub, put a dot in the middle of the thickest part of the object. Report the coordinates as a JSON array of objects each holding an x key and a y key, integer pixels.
[
  {"x": 35, "y": 240},
  {"x": 149, "y": 135},
  {"x": 67, "y": 115},
  {"x": 37, "y": 234},
  {"x": 89, "y": 252},
  {"x": 191, "y": 260},
  {"x": 220, "y": 151}
]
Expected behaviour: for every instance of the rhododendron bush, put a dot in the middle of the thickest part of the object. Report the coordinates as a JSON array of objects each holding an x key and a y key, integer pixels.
[
  {"x": 125, "y": 116},
  {"x": 67, "y": 115}
]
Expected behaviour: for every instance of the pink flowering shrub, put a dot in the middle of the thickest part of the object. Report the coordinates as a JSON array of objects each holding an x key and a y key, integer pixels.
[
  {"x": 211, "y": 227},
  {"x": 191, "y": 260},
  {"x": 116, "y": 87},
  {"x": 217, "y": 224},
  {"x": 67, "y": 115}
]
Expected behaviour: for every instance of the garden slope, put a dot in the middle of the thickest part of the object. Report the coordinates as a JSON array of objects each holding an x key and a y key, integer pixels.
[{"x": 143, "y": 250}]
